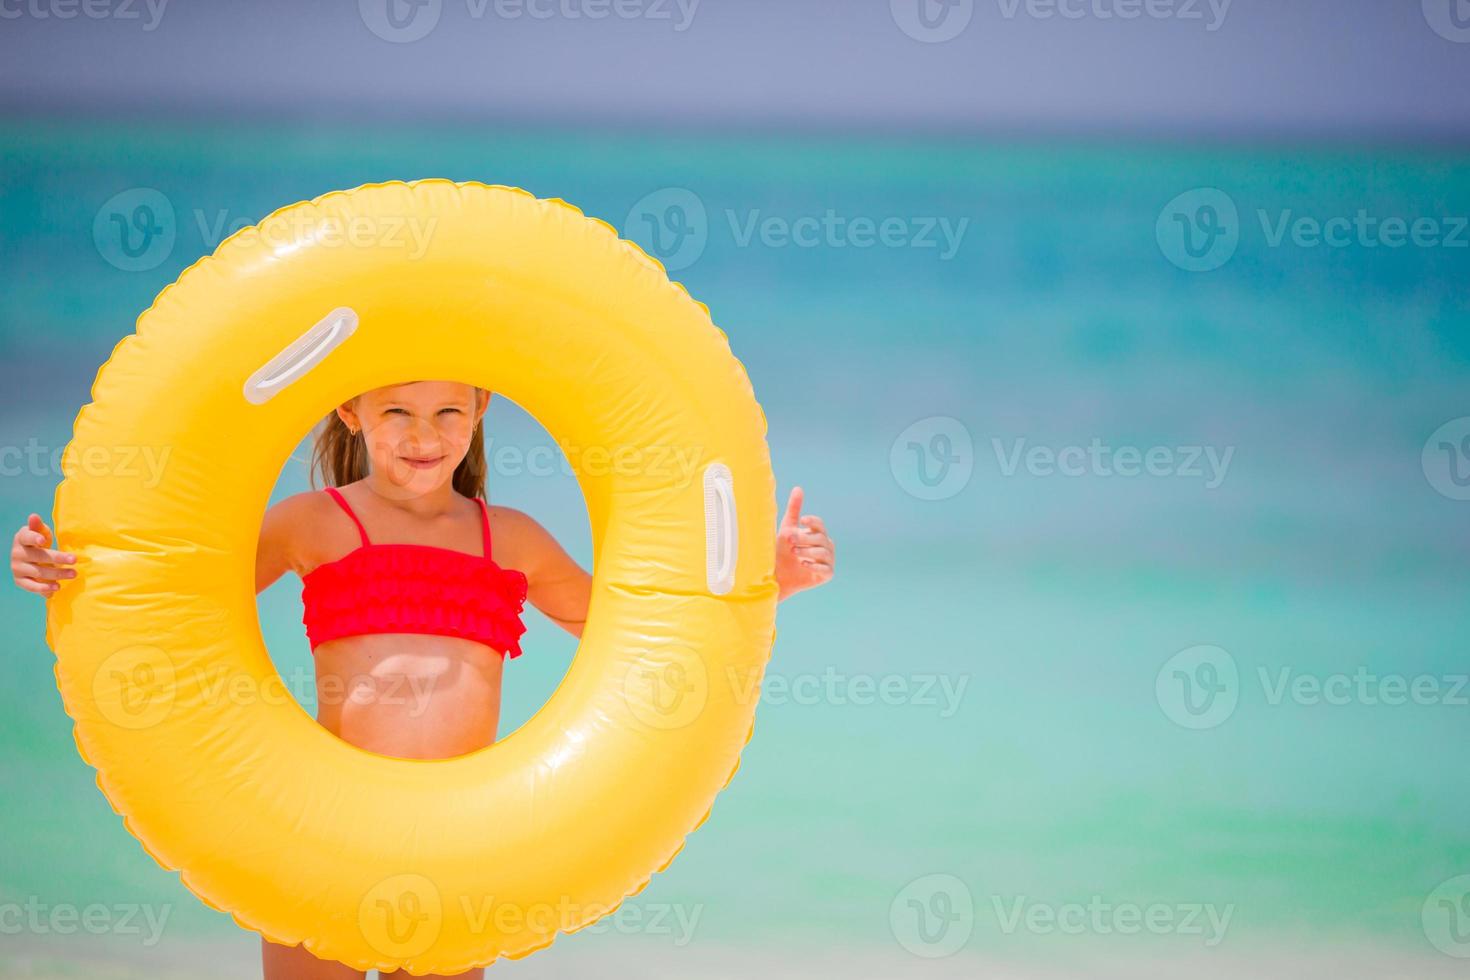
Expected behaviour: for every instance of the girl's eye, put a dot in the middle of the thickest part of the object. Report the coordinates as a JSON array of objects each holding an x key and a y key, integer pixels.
[
  {"x": 392, "y": 410},
  {"x": 443, "y": 410}
]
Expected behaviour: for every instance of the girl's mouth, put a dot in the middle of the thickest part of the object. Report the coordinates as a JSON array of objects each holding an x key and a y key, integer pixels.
[{"x": 419, "y": 463}]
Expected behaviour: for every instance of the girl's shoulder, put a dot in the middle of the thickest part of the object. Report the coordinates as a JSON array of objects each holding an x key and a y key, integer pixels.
[
  {"x": 302, "y": 508},
  {"x": 301, "y": 529},
  {"x": 521, "y": 542}
]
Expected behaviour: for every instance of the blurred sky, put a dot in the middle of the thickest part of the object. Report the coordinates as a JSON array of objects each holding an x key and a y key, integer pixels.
[{"x": 1279, "y": 69}]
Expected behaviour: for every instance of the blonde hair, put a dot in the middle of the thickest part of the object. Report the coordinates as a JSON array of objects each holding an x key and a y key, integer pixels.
[{"x": 340, "y": 457}]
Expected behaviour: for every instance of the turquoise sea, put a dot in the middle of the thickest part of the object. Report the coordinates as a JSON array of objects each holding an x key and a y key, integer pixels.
[{"x": 1147, "y": 647}]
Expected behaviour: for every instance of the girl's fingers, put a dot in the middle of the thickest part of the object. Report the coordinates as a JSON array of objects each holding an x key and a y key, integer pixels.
[
  {"x": 39, "y": 588},
  {"x": 38, "y": 527},
  {"x": 800, "y": 538},
  {"x": 43, "y": 556},
  {"x": 28, "y": 570},
  {"x": 46, "y": 572},
  {"x": 814, "y": 551},
  {"x": 813, "y": 523}
]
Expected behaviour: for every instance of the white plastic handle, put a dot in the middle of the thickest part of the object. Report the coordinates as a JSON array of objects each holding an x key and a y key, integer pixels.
[
  {"x": 300, "y": 356},
  {"x": 721, "y": 530}
]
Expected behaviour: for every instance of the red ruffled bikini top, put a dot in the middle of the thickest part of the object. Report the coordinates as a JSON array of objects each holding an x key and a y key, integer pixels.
[{"x": 413, "y": 588}]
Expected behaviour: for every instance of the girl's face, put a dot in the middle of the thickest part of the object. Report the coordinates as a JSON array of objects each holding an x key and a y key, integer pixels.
[{"x": 416, "y": 433}]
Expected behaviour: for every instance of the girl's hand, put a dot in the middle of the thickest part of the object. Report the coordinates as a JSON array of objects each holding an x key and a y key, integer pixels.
[
  {"x": 37, "y": 568},
  {"x": 804, "y": 555}
]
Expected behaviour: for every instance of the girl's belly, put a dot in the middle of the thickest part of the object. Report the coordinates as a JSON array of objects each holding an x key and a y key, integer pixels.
[{"x": 409, "y": 695}]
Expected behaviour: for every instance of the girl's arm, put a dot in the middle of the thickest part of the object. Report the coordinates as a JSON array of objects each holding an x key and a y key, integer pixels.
[
  {"x": 555, "y": 583},
  {"x": 562, "y": 590},
  {"x": 280, "y": 534},
  {"x": 37, "y": 568}
]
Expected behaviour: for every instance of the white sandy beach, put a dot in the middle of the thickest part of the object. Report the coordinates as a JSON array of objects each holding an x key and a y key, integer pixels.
[{"x": 93, "y": 958}]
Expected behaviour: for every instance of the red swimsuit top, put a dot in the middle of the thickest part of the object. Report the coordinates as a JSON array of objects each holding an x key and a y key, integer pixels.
[{"x": 414, "y": 588}]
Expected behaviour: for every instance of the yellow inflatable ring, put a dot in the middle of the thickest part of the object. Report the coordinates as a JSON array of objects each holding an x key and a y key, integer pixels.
[{"x": 430, "y": 866}]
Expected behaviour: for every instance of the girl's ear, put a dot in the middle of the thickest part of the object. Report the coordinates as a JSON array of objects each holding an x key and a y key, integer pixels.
[{"x": 347, "y": 412}]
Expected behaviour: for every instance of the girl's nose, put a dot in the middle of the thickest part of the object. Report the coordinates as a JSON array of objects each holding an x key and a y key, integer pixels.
[{"x": 419, "y": 434}]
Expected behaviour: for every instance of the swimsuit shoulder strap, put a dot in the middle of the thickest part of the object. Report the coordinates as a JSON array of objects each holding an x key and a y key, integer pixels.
[
  {"x": 484, "y": 525},
  {"x": 341, "y": 502}
]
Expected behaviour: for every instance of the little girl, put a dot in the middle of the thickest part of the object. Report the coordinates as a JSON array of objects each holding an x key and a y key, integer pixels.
[{"x": 399, "y": 587}]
